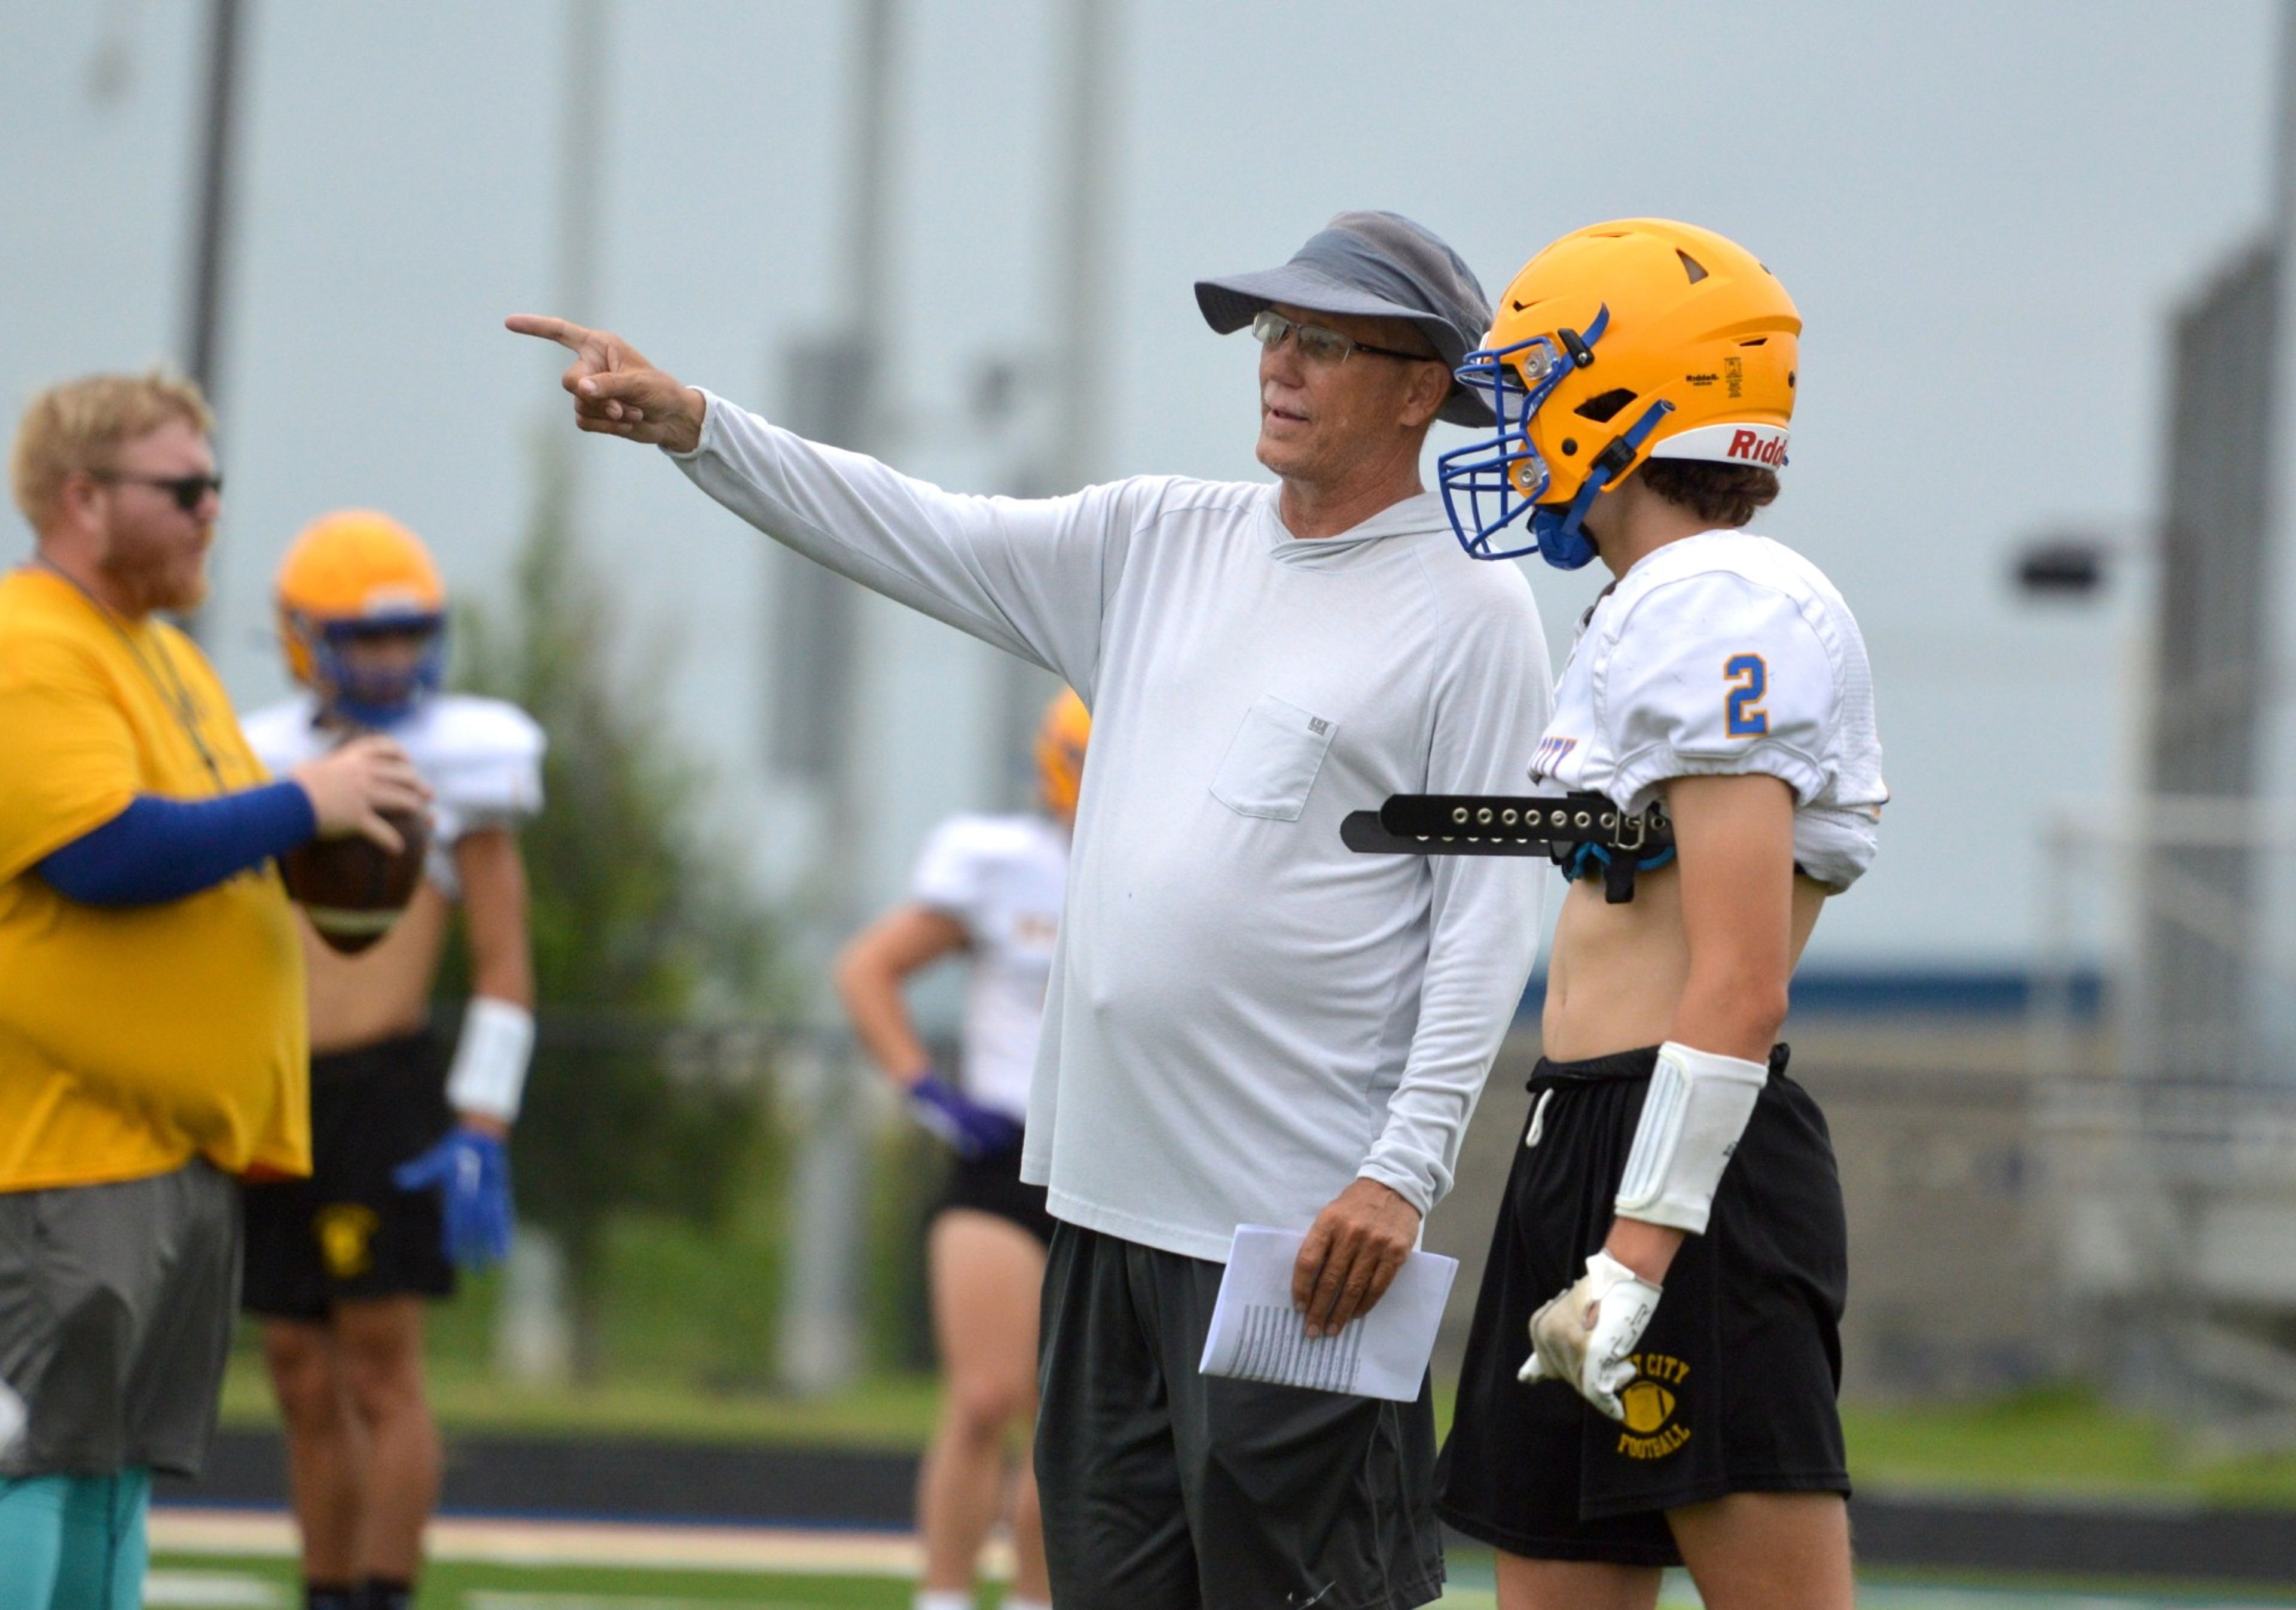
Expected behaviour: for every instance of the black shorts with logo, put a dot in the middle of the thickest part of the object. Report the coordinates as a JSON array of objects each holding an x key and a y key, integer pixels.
[
  {"x": 349, "y": 1233},
  {"x": 1739, "y": 1369},
  {"x": 993, "y": 1185}
]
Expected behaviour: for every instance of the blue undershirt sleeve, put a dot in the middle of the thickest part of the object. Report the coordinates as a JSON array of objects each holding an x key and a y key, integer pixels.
[{"x": 162, "y": 849}]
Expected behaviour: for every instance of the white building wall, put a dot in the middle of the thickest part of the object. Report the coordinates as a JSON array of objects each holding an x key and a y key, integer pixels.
[{"x": 1985, "y": 219}]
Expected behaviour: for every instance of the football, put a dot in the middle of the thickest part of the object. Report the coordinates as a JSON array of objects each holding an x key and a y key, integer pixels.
[{"x": 353, "y": 889}]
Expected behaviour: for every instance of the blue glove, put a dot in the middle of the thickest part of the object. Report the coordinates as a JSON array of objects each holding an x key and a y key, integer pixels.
[
  {"x": 470, "y": 1171},
  {"x": 972, "y": 1130}
]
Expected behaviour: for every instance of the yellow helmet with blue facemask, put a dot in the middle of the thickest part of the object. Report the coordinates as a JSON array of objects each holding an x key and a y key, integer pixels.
[
  {"x": 1620, "y": 342},
  {"x": 357, "y": 574}
]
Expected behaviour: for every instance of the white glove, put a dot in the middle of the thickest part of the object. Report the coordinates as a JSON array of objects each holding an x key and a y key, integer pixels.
[{"x": 1586, "y": 1335}]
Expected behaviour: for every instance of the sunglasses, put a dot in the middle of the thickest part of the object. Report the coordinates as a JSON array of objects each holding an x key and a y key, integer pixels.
[
  {"x": 187, "y": 491},
  {"x": 1319, "y": 343}
]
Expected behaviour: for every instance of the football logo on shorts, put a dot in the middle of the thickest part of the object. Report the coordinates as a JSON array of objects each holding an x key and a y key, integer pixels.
[
  {"x": 1647, "y": 1405},
  {"x": 346, "y": 1232},
  {"x": 1650, "y": 1401}
]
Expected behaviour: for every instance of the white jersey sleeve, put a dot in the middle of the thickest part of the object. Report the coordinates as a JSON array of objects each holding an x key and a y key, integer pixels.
[
  {"x": 1003, "y": 879},
  {"x": 482, "y": 757},
  {"x": 483, "y": 761},
  {"x": 948, "y": 871},
  {"x": 286, "y": 735},
  {"x": 1718, "y": 675},
  {"x": 1726, "y": 655}
]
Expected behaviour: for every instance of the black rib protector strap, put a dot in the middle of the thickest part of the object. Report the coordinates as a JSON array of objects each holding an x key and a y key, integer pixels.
[
  {"x": 1578, "y": 818},
  {"x": 1359, "y": 830}
]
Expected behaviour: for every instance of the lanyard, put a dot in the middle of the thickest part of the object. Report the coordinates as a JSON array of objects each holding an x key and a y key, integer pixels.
[{"x": 164, "y": 678}]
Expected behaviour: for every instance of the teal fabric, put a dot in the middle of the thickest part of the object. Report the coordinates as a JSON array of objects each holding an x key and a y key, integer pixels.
[{"x": 74, "y": 1542}]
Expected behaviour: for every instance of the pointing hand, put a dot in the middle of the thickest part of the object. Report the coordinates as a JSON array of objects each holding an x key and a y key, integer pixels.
[{"x": 616, "y": 391}]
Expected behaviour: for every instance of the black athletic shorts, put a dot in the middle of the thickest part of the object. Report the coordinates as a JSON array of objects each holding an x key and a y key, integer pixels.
[
  {"x": 993, "y": 1185},
  {"x": 1167, "y": 1489},
  {"x": 347, "y": 1232},
  {"x": 1740, "y": 1366}
]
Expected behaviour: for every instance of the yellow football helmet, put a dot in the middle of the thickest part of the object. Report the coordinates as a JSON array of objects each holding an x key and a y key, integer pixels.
[
  {"x": 1624, "y": 342},
  {"x": 358, "y": 573},
  {"x": 1061, "y": 740}
]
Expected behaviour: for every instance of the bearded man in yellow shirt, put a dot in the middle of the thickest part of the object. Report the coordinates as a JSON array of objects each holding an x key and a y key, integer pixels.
[{"x": 153, "y": 1042}]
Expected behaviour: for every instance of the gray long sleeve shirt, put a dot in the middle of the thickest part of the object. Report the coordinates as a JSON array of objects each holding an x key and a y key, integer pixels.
[{"x": 1243, "y": 1015}]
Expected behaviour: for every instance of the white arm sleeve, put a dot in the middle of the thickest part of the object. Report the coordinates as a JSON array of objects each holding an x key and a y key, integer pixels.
[
  {"x": 1719, "y": 675},
  {"x": 1032, "y": 577},
  {"x": 489, "y": 1072},
  {"x": 1697, "y": 1108},
  {"x": 1493, "y": 703},
  {"x": 948, "y": 871}
]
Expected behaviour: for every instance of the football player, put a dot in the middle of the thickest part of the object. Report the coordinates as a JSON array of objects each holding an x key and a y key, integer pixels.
[
  {"x": 410, "y": 1178},
  {"x": 989, "y": 888},
  {"x": 1672, "y": 1239}
]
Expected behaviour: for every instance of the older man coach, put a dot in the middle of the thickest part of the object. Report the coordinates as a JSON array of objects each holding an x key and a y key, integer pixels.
[{"x": 1245, "y": 1023}]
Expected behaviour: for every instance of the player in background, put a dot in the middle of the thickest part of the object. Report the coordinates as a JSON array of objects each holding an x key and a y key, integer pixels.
[
  {"x": 989, "y": 887},
  {"x": 410, "y": 1178},
  {"x": 1679, "y": 1400}
]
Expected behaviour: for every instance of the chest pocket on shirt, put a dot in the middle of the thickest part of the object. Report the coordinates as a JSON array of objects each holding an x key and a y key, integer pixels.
[{"x": 1272, "y": 761}]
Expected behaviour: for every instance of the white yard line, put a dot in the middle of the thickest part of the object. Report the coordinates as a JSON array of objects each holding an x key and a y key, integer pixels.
[{"x": 517, "y": 1541}]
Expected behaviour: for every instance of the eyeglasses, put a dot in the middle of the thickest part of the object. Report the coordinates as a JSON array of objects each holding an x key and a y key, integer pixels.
[
  {"x": 187, "y": 491},
  {"x": 1321, "y": 344}
]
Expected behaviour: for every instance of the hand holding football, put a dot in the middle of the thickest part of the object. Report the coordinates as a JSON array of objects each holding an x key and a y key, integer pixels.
[
  {"x": 355, "y": 877},
  {"x": 352, "y": 889}
]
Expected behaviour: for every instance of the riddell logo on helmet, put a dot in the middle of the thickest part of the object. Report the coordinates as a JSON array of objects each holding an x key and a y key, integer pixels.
[{"x": 1756, "y": 447}]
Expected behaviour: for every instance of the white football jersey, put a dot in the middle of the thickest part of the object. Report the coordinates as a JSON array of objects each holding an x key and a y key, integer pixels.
[
  {"x": 482, "y": 757},
  {"x": 1717, "y": 656},
  {"x": 1003, "y": 879}
]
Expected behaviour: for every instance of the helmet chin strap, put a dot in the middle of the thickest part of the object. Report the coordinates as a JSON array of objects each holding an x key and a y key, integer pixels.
[{"x": 1562, "y": 540}]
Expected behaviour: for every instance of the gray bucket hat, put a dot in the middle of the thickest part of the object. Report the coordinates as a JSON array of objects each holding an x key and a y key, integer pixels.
[{"x": 1380, "y": 265}]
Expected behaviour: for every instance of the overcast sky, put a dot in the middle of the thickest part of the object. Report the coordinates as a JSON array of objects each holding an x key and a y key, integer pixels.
[{"x": 1985, "y": 212}]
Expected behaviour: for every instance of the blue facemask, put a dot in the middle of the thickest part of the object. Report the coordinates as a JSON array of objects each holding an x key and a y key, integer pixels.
[
  {"x": 1481, "y": 490},
  {"x": 369, "y": 698}
]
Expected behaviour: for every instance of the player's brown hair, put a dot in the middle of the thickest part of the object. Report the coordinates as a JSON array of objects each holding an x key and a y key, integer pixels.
[
  {"x": 1727, "y": 494},
  {"x": 75, "y": 428}
]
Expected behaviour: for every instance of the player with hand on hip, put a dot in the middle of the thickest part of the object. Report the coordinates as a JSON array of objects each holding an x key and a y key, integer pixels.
[
  {"x": 410, "y": 1177},
  {"x": 1671, "y": 1241},
  {"x": 989, "y": 887}
]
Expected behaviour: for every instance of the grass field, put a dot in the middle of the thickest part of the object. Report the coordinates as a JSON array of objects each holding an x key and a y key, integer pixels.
[
  {"x": 2055, "y": 1441},
  {"x": 186, "y": 1581}
]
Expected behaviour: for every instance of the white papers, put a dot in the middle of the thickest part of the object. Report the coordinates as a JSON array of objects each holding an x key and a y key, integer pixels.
[{"x": 1257, "y": 1335}]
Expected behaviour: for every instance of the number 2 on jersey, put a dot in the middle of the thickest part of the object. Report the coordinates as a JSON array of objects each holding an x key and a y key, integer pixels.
[{"x": 1748, "y": 678}]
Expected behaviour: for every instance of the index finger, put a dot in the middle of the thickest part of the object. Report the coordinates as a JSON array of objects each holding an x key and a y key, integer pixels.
[{"x": 565, "y": 332}]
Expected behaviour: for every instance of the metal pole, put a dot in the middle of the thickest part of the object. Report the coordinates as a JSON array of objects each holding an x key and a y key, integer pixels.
[
  {"x": 581, "y": 147},
  {"x": 212, "y": 227},
  {"x": 202, "y": 335},
  {"x": 534, "y": 1337},
  {"x": 1084, "y": 212},
  {"x": 2272, "y": 1040},
  {"x": 1085, "y": 191},
  {"x": 869, "y": 134},
  {"x": 820, "y": 1337}
]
